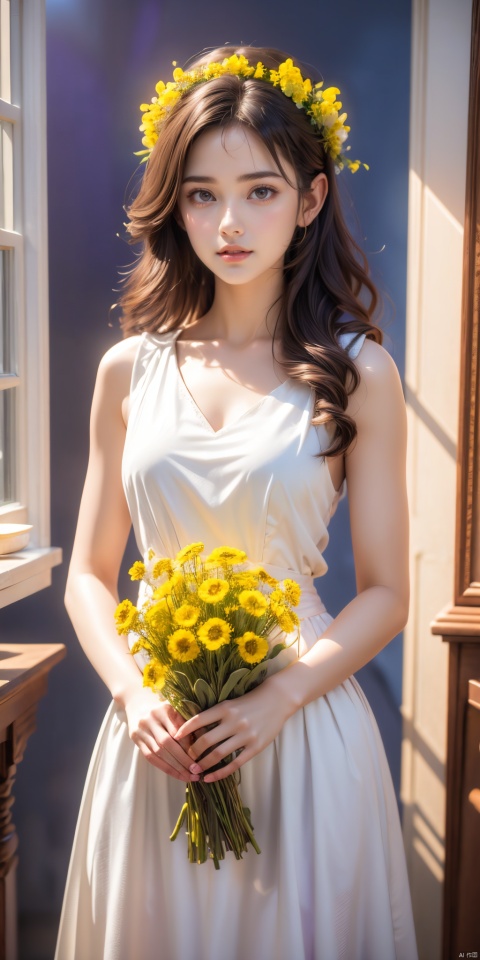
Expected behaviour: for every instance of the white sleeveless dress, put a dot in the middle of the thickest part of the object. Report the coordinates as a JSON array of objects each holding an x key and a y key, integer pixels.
[{"x": 331, "y": 881}]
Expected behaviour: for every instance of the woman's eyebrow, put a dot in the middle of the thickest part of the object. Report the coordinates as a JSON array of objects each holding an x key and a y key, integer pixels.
[{"x": 257, "y": 175}]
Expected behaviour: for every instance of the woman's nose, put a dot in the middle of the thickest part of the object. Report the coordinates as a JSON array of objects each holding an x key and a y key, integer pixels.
[{"x": 230, "y": 222}]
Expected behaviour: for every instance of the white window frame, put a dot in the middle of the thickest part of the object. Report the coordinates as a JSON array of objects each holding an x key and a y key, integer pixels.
[{"x": 29, "y": 570}]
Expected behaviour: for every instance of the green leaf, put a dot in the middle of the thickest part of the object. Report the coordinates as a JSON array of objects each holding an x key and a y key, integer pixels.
[
  {"x": 204, "y": 693},
  {"x": 232, "y": 681},
  {"x": 191, "y": 707},
  {"x": 276, "y": 650},
  {"x": 256, "y": 680},
  {"x": 184, "y": 684},
  {"x": 252, "y": 676}
]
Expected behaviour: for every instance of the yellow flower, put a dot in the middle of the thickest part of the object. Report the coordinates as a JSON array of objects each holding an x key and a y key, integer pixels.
[
  {"x": 226, "y": 555},
  {"x": 126, "y": 616},
  {"x": 162, "y": 566},
  {"x": 137, "y": 572},
  {"x": 165, "y": 589},
  {"x": 139, "y": 645},
  {"x": 287, "y": 619},
  {"x": 320, "y": 105},
  {"x": 154, "y": 675},
  {"x": 277, "y": 596},
  {"x": 183, "y": 646},
  {"x": 265, "y": 577},
  {"x": 186, "y": 615},
  {"x": 192, "y": 550},
  {"x": 252, "y": 648},
  {"x": 291, "y": 81},
  {"x": 214, "y": 633},
  {"x": 330, "y": 94},
  {"x": 213, "y": 590},
  {"x": 151, "y": 554},
  {"x": 253, "y": 602},
  {"x": 237, "y": 65},
  {"x": 246, "y": 580},
  {"x": 157, "y": 617},
  {"x": 292, "y": 592}
]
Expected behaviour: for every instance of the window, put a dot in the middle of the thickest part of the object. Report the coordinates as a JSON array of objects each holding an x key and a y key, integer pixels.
[{"x": 24, "y": 400}]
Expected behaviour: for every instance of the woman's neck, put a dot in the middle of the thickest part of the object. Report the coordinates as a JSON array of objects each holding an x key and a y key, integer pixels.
[{"x": 243, "y": 313}]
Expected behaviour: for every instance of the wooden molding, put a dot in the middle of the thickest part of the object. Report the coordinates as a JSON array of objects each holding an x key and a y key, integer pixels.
[
  {"x": 457, "y": 622},
  {"x": 467, "y": 547}
]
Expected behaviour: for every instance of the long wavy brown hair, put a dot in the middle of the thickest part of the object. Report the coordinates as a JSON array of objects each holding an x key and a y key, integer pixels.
[{"x": 327, "y": 287}]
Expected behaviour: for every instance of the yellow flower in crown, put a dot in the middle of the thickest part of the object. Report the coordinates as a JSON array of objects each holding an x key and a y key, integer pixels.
[
  {"x": 320, "y": 105},
  {"x": 291, "y": 82}
]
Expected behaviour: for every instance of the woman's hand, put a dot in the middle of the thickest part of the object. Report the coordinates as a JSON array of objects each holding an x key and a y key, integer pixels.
[
  {"x": 248, "y": 723},
  {"x": 152, "y": 724}
]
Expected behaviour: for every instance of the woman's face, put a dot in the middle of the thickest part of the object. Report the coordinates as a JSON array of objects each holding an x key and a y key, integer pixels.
[{"x": 234, "y": 194}]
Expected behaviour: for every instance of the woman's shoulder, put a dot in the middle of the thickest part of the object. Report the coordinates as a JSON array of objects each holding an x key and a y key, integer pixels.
[
  {"x": 115, "y": 371},
  {"x": 380, "y": 382},
  {"x": 121, "y": 354},
  {"x": 374, "y": 361}
]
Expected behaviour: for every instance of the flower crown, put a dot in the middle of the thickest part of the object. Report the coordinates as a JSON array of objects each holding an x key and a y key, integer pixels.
[{"x": 319, "y": 104}]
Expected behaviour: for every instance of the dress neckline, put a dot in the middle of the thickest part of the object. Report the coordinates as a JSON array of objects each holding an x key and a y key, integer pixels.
[
  {"x": 231, "y": 424},
  {"x": 171, "y": 337}
]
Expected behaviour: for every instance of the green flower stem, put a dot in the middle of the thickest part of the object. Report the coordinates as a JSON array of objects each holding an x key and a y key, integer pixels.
[{"x": 182, "y": 816}]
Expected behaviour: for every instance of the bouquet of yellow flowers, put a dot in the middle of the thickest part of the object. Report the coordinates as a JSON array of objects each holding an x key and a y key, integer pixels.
[{"x": 209, "y": 628}]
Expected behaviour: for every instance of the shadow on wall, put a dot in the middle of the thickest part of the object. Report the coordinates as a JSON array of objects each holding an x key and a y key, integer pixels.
[{"x": 103, "y": 61}]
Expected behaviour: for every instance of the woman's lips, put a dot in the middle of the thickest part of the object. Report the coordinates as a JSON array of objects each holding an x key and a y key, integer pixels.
[{"x": 232, "y": 257}]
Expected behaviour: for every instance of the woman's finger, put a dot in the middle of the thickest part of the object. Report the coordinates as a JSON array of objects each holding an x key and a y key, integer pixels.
[
  {"x": 219, "y": 753},
  {"x": 239, "y": 760},
  {"x": 172, "y": 750},
  {"x": 150, "y": 726},
  {"x": 150, "y": 754},
  {"x": 206, "y": 717}
]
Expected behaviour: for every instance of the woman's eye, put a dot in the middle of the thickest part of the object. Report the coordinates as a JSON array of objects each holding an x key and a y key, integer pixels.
[
  {"x": 205, "y": 195},
  {"x": 269, "y": 190}
]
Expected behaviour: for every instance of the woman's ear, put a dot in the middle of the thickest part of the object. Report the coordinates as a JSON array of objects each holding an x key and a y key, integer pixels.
[{"x": 313, "y": 200}]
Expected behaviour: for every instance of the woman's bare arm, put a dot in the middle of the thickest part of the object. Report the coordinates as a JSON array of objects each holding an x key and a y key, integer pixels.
[
  {"x": 379, "y": 519},
  {"x": 91, "y": 594}
]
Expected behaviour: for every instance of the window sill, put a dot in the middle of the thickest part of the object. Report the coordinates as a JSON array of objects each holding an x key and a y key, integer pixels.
[{"x": 26, "y": 571}]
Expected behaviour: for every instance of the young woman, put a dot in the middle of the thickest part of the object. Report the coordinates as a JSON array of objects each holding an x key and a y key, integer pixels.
[{"x": 250, "y": 387}]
